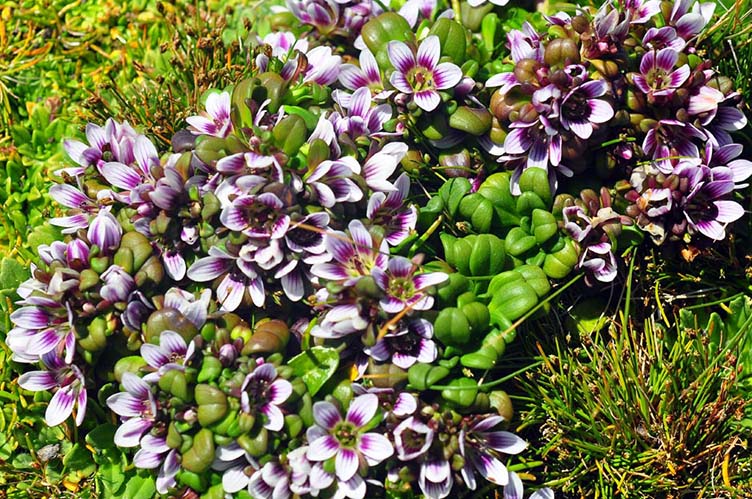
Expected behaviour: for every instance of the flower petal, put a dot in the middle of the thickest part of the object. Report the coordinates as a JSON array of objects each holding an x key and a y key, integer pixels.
[
  {"x": 375, "y": 448},
  {"x": 322, "y": 448},
  {"x": 401, "y": 56},
  {"x": 60, "y": 407},
  {"x": 326, "y": 415},
  {"x": 362, "y": 409},
  {"x": 346, "y": 464}
]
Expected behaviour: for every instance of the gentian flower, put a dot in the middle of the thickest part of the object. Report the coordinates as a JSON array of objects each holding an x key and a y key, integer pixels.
[
  {"x": 262, "y": 392},
  {"x": 354, "y": 255},
  {"x": 240, "y": 276},
  {"x": 279, "y": 479},
  {"x": 411, "y": 343},
  {"x": 216, "y": 120},
  {"x": 42, "y": 329},
  {"x": 581, "y": 108},
  {"x": 283, "y": 44},
  {"x": 118, "y": 284},
  {"x": 323, "y": 66},
  {"x": 236, "y": 466},
  {"x": 105, "y": 232},
  {"x": 82, "y": 207},
  {"x": 113, "y": 142},
  {"x": 482, "y": 449},
  {"x": 367, "y": 75},
  {"x": 257, "y": 216},
  {"x": 136, "y": 406},
  {"x": 71, "y": 388},
  {"x": 345, "y": 441},
  {"x": 321, "y": 14},
  {"x": 380, "y": 166},
  {"x": 155, "y": 453},
  {"x": 421, "y": 75},
  {"x": 171, "y": 353},
  {"x": 359, "y": 118},
  {"x": 640, "y": 11},
  {"x": 413, "y": 10},
  {"x": 390, "y": 212},
  {"x": 403, "y": 289},
  {"x": 476, "y": 3},
  {"x": 435, "y": 478},
  {"x": 412, "y": 439},
  {"x": 333, "y": 182},
  {"x": 657, "y": 76}
]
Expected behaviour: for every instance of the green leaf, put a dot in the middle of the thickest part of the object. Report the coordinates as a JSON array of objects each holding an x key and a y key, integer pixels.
[
  {"x": 78, "y": 461},
  {"x": 315, "y": 367},
  {"x": 140, "y": 488},
  {"x": 111, "y": 477}
]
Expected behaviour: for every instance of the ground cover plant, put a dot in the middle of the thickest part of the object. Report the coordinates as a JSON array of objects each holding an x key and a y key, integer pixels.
[{"x": 322, "y": 248}]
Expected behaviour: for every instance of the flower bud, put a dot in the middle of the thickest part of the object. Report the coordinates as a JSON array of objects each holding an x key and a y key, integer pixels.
[{"x": 561, "y": 52}]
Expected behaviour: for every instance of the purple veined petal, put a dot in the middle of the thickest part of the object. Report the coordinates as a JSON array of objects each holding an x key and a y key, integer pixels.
[
  {"x": 30, "y": 318},
  {"x": 429, "y": 52},
  {"x": 37, "y": 381},
  {"x": 121, "y": 176},
  {"x": 518, "y": 141},
  {"x": 423, "y": 281},
  {"x": 129, "y": 433},
  {"x": 346, "y": 464},
  {"x": 146, "y": 459},
  {"x": 360, "y": 102},
  {"x": 125, "y": 404},
  {"x": 230, "y": 293},
  {"x": 43, "y": 342},
  {"x": 323, "y": 447},
  {"x": 741, "y": 169},
  {"x": 60, "y": 407},
  {"x": 711, "y": 229},
  {"x": 428, "y": 100},
  {"x": 68, "y": 196},
  {"x": 352, "y": 77},
  {"x": 427, "y": 352},
  {"x": 401, "y": 57},
  {"x": 538, "y": 157},
  {"x": 487, "y": 423},
  {"x": 369, "y": 66},
  {"x": 380, "y": 351},
  {"x": 279, "y": 391},
  {"x": 276, "y": 418},
  {"x": 404, "y": 405},
  {"x": 399, "y": 81},
  {"x": 75, "y": 150},
  {"x": 218, "y": 105},
  {"x": 208, "y": 268},
  {"x": 447, "y": 75},
  {"x": 202, "y": 125},
  {"x": 319, "y": 478},
  {"x": 293, "y": 286},
  {"x": 361, "y": 238},
  {"x": 728, "y": 211},
  {"x": 168, "y": 472},
  {"x": 258, "y": 161},
  {"x": 554, "y": 153},
  {"x": 506, "y": 442},
  {"x": 729, "y": 118},
  {"x": 583, "y": 129},
  {"x": 593, "y": 88},
  {"x": 401, "y": 267},
  {"x": 706, "y": 100},
  {"x": 355, "y": 487},
  {"x": 724, "y": 154},
  {"x": 256, "y": 290},
  {"x": 689, "y": 25},
  {"x": 235, "y": 479},
  {"x": 437, "y": 470},
  {"x": 264, "y": 372},
  {"x": 279, "y": 229},
  {"x": 501, "y": 80},
  {"x": 375, "y": 448},
  {"x": 135, "y": 385},
  {"x": 718, "y": 189},
  {"x": 329, "y": 271},
  {"x": 71, "y": 223},
  {"x": 491, "y": 468},
  {"x": 105, "y": 231},
  {"x": 362, "y": 409},
  {"x": 679, "y": 76},
  {"x": 154, "y": 444},
  {"x": 545, "y": 493},
  {"x": 172, "y": 343},
  {"x": 145, "y": 154},
  {"x": 326, "y": 415},
  {"x": 232, "y": 164},
  {"x": 665, "y": 59},
  {"x": 600, "y": 111},
  {"x": 642, "y": 83},
  {"x": 468, "y": 475},
  {"x": 82, "y": 401},
  {"x": 174, "y": 264},
  {"x": 514, "y": 488},
  {"x": 392, "y": 305}
]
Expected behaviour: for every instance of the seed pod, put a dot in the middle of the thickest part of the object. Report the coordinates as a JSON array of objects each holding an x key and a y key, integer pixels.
[
  {"x": 175, "y": 383},
  {"x": 421, "y": 376},
  {"x": 88, "y": 279},
  {"x": 461, "y": 392},
  {"x": 502, "y": 403},
  {"x": 151, "y": 272},
  {"x": 201, "y": 454},
  {"x": 562, "y": 52},
  {"x": 169, "y": 319},
  {"x": 256, "y": 445},
  {"x": 544, "y": 225},
  {"x": 195, "y": 482},
  {"x": 269, "y": 336},
  {"x": 452, "y": 328},
  {"x": 290, "y": 134},
  {"x": 518, "y": 242},
  {"x": 131, "y": 364},
  {"x": 212, "y": 404}
]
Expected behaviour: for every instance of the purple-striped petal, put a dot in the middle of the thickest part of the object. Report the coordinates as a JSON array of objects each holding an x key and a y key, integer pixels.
[
  {"x": 276, "y": 418},
  {"x": 147, "y": 459},
  {"x": 346, "y": 464},
  {"x": 235, "y": 479},
  {"x": 37, "y": 381},
  {"x": 135, "y": 385},
  {"x": 711, "y": 229},
  {"x": 404, "y": 405},
  {"x": 232, "y": 164},
  {"x": 326, "y": 415},
  {"x": 401, "y": 56},
  {"x": 399, "y": 81},
  {"x": 514, "y": 488},
  {"x": 429, "y": 52},
  {"x": 428, "y": 100},
  {"x": 446, "y": 75},
  {"x": 728, "y": 211},
  {"x": 167, "y": 473},
  {"x": 279, "y": 391},
  {"x": 362, "y": 409},
  {"x": 105, "y": 231},
  {"x": 230, "y": 293},
  {"x": 129, "y": 433},
  {"x": 68, "y": 196},
  {"x": 679, "y": 76},
  {"x": 208, "y": 268},
  {"x": 375, "y": 448},
  {"x": 125, "y": 404},
  {"x": 518, "y": 141},
  {"x": 506, "y": 442},
  {"x": 323, "y": 447},
  {"x": 121, "y": 176},
  {"x": 352, "y": 77},
  {"x": 424, "y": 281},
  {"x": 30, "y": 318},
  {"x": 60, "y": 407},
  {"x": 491, "y": 468},
  {"x": 600, "y": 111}
]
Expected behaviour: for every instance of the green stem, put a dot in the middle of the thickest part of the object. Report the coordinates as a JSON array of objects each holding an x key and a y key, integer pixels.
[{"x": 490, "y": 384}]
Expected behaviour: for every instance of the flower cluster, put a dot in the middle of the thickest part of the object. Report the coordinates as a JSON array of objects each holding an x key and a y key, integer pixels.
[{"x": 312, "y": 291}]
